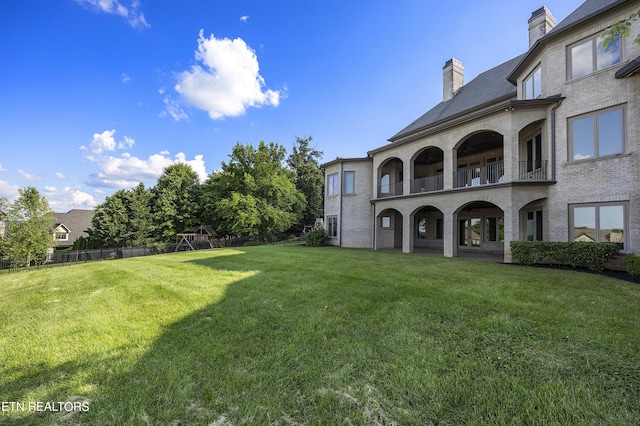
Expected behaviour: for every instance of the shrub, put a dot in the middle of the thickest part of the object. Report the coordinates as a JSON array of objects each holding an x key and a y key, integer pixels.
[
  {"x": 590, "y": 255},
  {"x": 317, "y": 237},
  {"x": 632, "y": 265}
]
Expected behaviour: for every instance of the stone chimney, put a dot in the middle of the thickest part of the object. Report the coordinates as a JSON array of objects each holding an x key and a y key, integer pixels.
[
  {"x": 540, "y": 23},
  {"x": 452, "y": 78}
]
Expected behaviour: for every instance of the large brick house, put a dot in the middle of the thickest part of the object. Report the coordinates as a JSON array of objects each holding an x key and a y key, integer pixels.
[{"x": 545, "y": 146}]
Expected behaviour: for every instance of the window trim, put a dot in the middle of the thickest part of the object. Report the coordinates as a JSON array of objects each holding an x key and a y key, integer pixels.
[
  {"x": 333, "y": 187},
  {"x": 344, "y": 182},
  {"x": 61, "y": 236},
  {"x": 594, "y": 56},
  {"x": 334, "y": 228},
  {"x": 595, "y": 114},
  {"x": 597, "y": 230},
  {"x": 531, "y": 77}
]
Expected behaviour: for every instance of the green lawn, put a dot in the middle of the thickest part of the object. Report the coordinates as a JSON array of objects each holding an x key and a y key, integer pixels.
[{"x": 289, "y": 334}]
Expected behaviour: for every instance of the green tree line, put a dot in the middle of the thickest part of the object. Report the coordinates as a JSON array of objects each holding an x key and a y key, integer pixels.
[{"x": 258, "y": 191}]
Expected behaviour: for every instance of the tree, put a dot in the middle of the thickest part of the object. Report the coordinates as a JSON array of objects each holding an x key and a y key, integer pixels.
[
  {"x": 28, "y": 233},
  {"x": 140, "y": 217},
  {"x": 110, "y": 220},
  {"x": 254, "y": 193},
  {"x": 124, "y": 219},
  {"x": 621, "y": 29},
  {"x": 308, "y": 178},
  {"x": 174, "y": 201}
]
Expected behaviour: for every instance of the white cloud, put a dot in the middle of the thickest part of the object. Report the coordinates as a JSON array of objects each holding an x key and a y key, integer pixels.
[
  {"x": 2, "y": 169},
  {"x": 29, "y": 176},
  {"x": 102, "y": 142},
  {"x": 173, "y": 109},
  {"x": 113, "y": 7},
  {"x": 125, "y": 78},
  {"x": 126, "y": 143},
  {"x": 226, "y": 80},
  {"x": 128, "y": 171},
  {"x": 8, "y": 190},
  {"x": 244, "y": 18},
  {"x": 68, "y": 198},
  {"x": 60, "y": 175}
]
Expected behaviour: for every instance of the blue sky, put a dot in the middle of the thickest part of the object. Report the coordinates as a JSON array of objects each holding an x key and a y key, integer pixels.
[{"x": 97, "y": 95}]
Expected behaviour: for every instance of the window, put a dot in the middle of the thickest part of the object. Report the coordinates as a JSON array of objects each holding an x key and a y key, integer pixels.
[
  {"x": 385, "y": 221},
  {"x": 533, "y": 84},
  {"x": 332, "y": 226},
  {"x": 385, "y": 184},
  {"x": 599, "y": 223},
  {"x": 61, "y": 236},
  {"x": 332, "y": 184},
  {"x": 588, "y": 56},
  {"x": 439, "y": 229},
  {"x": 597, "y": 134},
  {"x": 534, "y": 225},
  {"x": 494, "y": 229},
  {"x": 349, "y": 182}
]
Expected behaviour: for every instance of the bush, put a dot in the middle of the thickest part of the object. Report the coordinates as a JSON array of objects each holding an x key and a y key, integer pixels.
[
  {"x": 317, "y": 237},
  {"x": 590, "y": 255},
  {"x": 632, "y": 265}
]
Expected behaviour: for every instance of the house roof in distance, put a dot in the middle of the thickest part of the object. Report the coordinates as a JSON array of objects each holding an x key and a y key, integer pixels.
[{"x": 76, "y": 221}]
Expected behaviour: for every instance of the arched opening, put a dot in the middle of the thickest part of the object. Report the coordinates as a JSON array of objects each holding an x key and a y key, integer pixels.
[
  {"x": 480, "y": 227},
  {"x": 428, "y": 230},
  {"x": 390, "y": 178},
  {"x": 480, "y": 160},
  {"x": 389, "y": 230},
  {"x": 428, "y": 169}
]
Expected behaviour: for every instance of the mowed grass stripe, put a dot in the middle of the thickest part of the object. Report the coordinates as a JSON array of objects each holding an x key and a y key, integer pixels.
[{"x": 289, "y": 334}]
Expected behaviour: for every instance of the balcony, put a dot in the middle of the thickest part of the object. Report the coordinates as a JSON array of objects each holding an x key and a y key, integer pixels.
[
  {"x": 532, "y": 170},
  {"x": 390, "y": 189},
  {"x": 477, "y": 176},
  {"x": 427, "y": 184}
]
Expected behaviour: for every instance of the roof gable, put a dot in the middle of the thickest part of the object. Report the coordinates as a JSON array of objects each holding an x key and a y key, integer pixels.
[{"x": 586, "y": 11}]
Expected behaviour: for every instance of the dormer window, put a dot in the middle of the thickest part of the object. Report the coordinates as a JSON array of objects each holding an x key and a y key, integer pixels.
[
  {"x": 590, "y": 55},
  {"x": 533, "y": 84}
]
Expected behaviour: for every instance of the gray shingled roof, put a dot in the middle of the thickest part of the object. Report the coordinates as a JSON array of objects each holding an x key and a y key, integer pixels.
[
  {"x": 76, "y": 221},
  {"x": 585, "y": 11},
  {"x": 485, "y": 88}
]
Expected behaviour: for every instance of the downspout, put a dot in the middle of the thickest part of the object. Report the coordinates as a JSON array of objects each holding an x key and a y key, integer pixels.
[
  {"x": 340, "y": 205},
  {"x": 373, "y": 243},
  {"x": 553, "y": 139}
]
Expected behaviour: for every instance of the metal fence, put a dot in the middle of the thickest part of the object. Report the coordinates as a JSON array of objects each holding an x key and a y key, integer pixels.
[{"x": 80, "y": 256}]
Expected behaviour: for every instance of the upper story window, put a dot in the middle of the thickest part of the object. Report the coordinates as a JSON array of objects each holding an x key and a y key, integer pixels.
[
  {"x": 349, "y": 182},
  {"x": 61, "y": 236},
  {"x": 597, "y": 134},
  {"x": 533, "y": 84},
  {"x": 588, "y": 56},
  {"x": 332, "y": 184}
]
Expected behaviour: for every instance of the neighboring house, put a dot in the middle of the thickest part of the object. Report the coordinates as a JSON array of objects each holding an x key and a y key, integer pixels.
[
  {"x": 541, "y": 147},
  {"x": 70, "y": 226}
]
